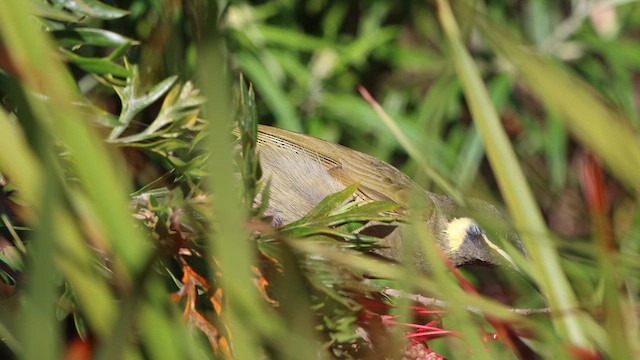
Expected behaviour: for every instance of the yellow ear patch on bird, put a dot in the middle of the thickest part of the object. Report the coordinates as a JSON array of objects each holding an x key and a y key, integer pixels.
[{"x": 456, "y": 232}]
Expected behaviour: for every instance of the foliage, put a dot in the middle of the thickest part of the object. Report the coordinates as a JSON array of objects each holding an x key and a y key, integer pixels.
[{"x": 126, "y": 202}]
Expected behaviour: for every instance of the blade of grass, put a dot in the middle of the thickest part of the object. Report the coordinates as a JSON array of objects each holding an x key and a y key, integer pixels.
[
  {"x": 39, "y": 307},
  {"x": 229, "y": 244},
  {"x": 421, "y": 283},
  {"x": 72, "y": 257},
  {"x": 411, "y": 149},
  {"x": 17, "y": 160},
  {"x": 76, "y": 263},
  {"x": 592, "y": 179},
  {"x": 249, "y": 320},
  {"x": 524, "y": 210}
]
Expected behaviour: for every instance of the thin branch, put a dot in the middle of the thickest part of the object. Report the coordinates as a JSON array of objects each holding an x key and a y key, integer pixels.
[{"x": 427, "y": 301}]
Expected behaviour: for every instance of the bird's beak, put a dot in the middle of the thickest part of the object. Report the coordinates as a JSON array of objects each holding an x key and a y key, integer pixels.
[{"x": 501, "y": 252}]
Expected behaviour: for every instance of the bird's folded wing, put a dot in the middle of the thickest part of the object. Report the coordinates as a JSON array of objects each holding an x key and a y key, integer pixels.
[{"x": 377, "y": 180}]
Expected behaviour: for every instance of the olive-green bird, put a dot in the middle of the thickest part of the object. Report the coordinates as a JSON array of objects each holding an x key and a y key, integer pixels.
[{"x": 303, "y": 170}]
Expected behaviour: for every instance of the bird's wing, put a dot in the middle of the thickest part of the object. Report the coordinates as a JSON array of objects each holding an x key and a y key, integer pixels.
[{"x": 377, "y": 180}]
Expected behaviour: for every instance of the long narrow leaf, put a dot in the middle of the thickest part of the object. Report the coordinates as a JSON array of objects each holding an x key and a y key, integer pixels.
[{"x": 512, "y": 182}]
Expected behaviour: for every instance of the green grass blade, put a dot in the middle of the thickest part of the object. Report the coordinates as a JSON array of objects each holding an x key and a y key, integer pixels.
[
  {"x": 39, "y": 307},
  {"x": 229, "y": 244},
  {"x": 17, "y": 161},
  {"x": 524, "y": 210}
]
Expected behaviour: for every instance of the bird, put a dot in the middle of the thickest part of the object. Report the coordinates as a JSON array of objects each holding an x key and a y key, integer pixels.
[{"x": 302, "y": 170}]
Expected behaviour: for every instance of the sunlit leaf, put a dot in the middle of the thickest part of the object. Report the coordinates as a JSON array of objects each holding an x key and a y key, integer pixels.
[
  {"x": 93, "y": 8},
  {"x": 99, "y": 66},
  {"x": 91, "y": 36}
]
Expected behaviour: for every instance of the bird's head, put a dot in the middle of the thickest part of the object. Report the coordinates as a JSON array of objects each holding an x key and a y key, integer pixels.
[{"x": 472, "y": 234}]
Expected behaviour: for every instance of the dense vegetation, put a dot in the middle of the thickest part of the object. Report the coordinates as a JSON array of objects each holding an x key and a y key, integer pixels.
[{"x": 128, "y": 227}]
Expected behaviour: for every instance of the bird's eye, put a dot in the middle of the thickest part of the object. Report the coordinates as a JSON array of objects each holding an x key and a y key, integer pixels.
[{"x": 474, "y": 230}]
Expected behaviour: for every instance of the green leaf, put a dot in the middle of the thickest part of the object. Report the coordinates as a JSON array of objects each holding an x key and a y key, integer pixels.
[
  {"x": 335, "y": 218},
  {"x": 134, "y": 99},
  {"x": 513, "y": 185},
  {"x": 45, "y": 10},
  {"x": 98, "y": 66},
  {"x": 93, "y": 8},
  {"x": 12, "y": 257},
  {"x": 17, "y": 160},
  {"x": 353, "y": 240},
  {"x": 91, "y": 36},
  {"x": 330, "y": 203}
]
